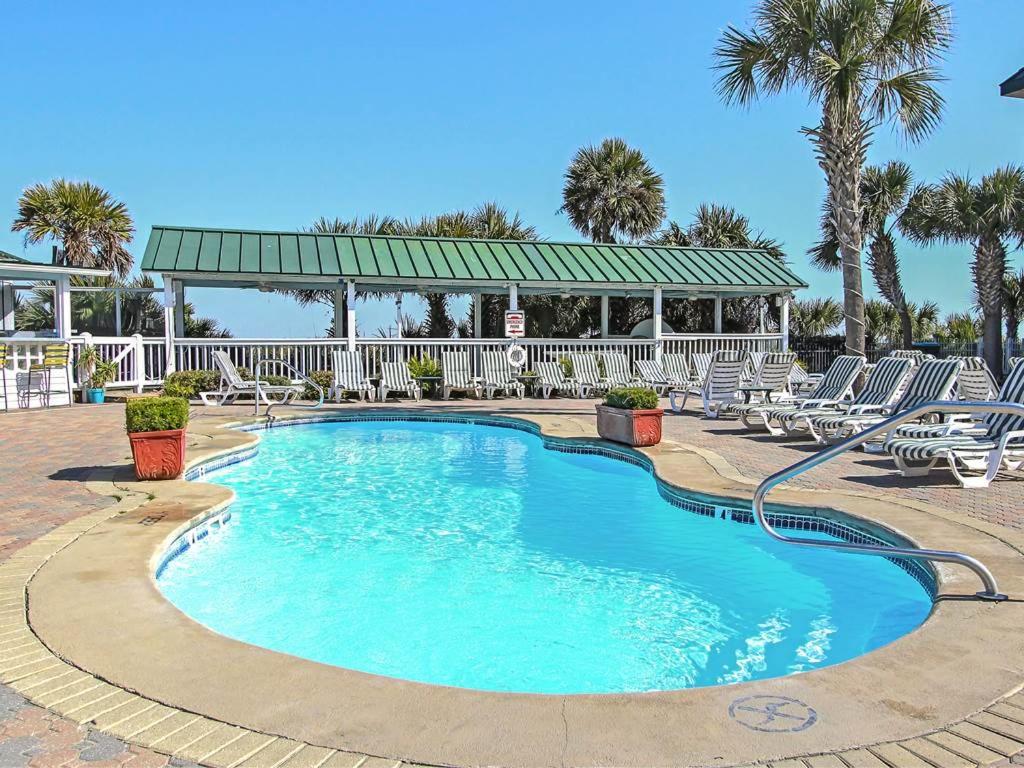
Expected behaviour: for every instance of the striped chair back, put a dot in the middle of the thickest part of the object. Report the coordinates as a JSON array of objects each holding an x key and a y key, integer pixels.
[
  {"x": 348, "y": 369},
  {"x": 724, "y": 373},
  {"x": 797, "y": 375},
  {"x": 395, "y": 375},
  {"x": 911, "y": 354},
  {"x": 1013, "y": 362},
  {"x": 497, "y": 369},
  {"x": 754, "y": 362},
  {"x": 616, "y": 368},
  {"x": 584, "y": 367},
  {"x": 883, "y": 385},
  {"x": 975, "y": 380},
  {"x": 934, "y": 381},
  {"x": 651, "y": 372},
  {"x": 701, "y": 363},
  {"x": 56, "y": 355},
  {"x": 838, "y": 379},
  {"x": 998, "y": 424},
  {"x": 676, "y": 367},
  {"x": 228, "y": 372},
  {"x": 455, "y": 369},
  {"x": 774, "y": 370},
  {"x": 3, "y": 357},
  {"x": 551, "y": 374}
]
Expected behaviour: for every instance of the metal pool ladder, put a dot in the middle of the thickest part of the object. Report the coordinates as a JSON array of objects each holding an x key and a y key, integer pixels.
[
  {"x": 991, "y": 591},
  {"x": 277, "y": 361}
]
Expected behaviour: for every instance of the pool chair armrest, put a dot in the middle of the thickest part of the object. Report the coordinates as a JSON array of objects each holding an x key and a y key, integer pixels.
[
  {"x": 1014, "y": 436},
  {"x": 868, "y": 408},
  {"x": 816, "y": 402}
]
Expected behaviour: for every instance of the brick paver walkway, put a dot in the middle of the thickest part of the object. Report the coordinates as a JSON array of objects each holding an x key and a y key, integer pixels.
[{"x": 44, "y": 456}]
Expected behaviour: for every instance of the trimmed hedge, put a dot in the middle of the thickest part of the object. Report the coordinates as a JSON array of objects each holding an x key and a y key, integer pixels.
[
  {"x": 632, "y": 398},
  {"x": 155, "y": 414},
  {"x": 188, "y": 384},
  {"x": 324, "y": 378}
]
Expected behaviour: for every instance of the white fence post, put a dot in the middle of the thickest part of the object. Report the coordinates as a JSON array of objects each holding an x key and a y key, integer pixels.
[
  {"x": 657, "y": 324},
  {"x": 138, "y": 362},
  {"x": 784, "y": 322}
]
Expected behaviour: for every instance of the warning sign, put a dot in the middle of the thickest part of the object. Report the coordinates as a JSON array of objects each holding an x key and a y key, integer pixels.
[{"x": 515, "y": 324}]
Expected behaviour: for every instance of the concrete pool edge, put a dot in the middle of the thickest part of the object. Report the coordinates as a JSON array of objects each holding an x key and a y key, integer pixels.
[{"x": 868, "y": 700}]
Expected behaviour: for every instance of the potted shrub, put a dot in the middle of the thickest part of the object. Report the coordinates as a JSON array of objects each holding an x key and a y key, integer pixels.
[
  {"x": 103, "y": 372},
  {"x": 630, "y": 415},
  {"x": 156, "y": 429}
]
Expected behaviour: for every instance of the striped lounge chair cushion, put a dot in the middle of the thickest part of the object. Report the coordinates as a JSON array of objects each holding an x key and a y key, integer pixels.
[{"x": 930, "y": 448}]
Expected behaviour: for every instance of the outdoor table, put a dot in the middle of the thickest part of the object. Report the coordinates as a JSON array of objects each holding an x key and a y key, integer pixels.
[
  {"x": 436, "y": 380},
  {"x": 529, "y": 380},
  {"x": 748, "y": 391}
]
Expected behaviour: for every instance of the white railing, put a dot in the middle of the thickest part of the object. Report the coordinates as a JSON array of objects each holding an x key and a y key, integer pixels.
[{"x": 692, "y": 343}]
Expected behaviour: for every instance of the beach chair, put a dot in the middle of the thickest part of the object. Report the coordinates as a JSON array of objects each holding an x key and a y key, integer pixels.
[
  {"x": 834, "y": 387},
  {"x": 721, "y": 386},
  {"x": 653, "y": 375},
  {"x": 800, "y": 381},
  {"x": 498, "y": 376},
  {"x": 348, "y": 376},
  {"x": 754, "y": 362},
  {"x": 456, "y": 375},
  {"x": 974, "y": 382},
  {"x": 700, "y": 364},
  {"x": 586, "y": 375},
  {"x": 56, "y": 359},
  {"x": 395, "y": 377},
  {"x": 677, "y": 370},
  {"x": 997, "y": 442},
  {"x": 772, "y": 375},
  {"x": 232, "y": 385},
  {"x": 616, "y": 370},
  {"x": 552, "y": 377}
]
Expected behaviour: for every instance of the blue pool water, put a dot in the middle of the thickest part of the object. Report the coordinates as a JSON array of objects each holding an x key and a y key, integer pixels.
[{"x": 473, "y": 556}]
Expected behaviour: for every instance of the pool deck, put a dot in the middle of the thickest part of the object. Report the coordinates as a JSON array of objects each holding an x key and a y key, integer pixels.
[{"x": 106, "y": 654}]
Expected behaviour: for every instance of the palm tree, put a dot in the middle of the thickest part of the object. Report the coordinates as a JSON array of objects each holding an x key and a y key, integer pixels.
[
  {"x": 816, "y": 317},
  {"x": 988, "y": 215},
  {"x": 864, "y": 62},
  {"x": 91, "y": 227},
  {"x": 611, "y": 192},
  {"x": 925, "y": 318},
  {"x": 959, "y": 328},
  {"x": 1013, "y": 302},
  {"x": 883, "y": 192},
  {"x": 882, "y": 321}
]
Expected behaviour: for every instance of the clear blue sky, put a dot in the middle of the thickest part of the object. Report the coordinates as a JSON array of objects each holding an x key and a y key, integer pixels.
[{"x": 266, "y": 115}]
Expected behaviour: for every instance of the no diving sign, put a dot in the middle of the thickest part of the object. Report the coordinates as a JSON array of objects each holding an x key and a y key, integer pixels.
[{"x": 515, "y": 324}]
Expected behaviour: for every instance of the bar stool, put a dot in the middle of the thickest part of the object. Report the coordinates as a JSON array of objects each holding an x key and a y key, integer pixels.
[
  {"x": 3, "y": 371},
  {"x": 55, "y": 357}
]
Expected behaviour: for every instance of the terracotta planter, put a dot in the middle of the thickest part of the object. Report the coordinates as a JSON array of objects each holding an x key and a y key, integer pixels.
[
  {"x": 638, "y": 428},
  {"x": 158, "y": 455}
]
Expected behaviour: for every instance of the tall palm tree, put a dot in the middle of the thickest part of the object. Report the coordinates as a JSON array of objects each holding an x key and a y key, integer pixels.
[
  {"x": 882, "y": 321},
  {"x": 1013, "y": 302},
  {"x": 611, "y": 193},
  {"x": 91, "y": 227},
  {"x": 959, "y": 328},
  {"x": 988, "y": 215},
  {"x": 864, "y": 62},
  {"x": 884, "y": 191}
]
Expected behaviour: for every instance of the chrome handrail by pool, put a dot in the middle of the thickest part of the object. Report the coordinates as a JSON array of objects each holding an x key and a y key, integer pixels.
[
  {"x": 991, "y": 591},
  {"x": 297, "y": 372}
]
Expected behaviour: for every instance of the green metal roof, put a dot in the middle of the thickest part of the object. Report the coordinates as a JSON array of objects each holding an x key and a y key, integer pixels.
[
  {"x": 10, "y": 258},
  {"x": 240, "y": 257},
  {"x": 1013, "y": 85}
]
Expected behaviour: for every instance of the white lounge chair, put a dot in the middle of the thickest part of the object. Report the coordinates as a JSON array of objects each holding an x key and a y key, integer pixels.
[
  {"x": 755, "y": 360},
  {"x": 586, "y": 375},
  {"x": 651, "y": 374},
  {"x": 997, "y": 443},
  {"x": 720, "y": 388},
  {"x": 348, "y": 376},
  {"x": 771, "y": 377},
  {"x": 552, "y": 377},
  {"x": 835, "y": 386},
  {"x": 498, "y": 376},
  {"x": 800, "y": 381},
  {"x": 395, "y": 377},
  {"x": 232, "y": 385},
  {"x": 677, "y": 370},
  {"x": 456, "y": 375},
  {"x": 700, "y": 363},
  {"x": 616, "y": 370},
  {"x": 975, "y": 381}
]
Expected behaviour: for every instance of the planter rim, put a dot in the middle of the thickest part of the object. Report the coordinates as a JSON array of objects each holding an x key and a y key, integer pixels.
[
  {"x": 640, "y": 411},
  {"x": 157, "y": 433}
]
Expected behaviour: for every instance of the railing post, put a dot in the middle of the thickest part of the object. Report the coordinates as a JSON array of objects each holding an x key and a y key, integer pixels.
[
  {"x": 657, "y": 324},
  {"x": 138, "y": 362},
  {"x": 784, "y": 322},
  {"x": 168, "y": 326},
  {"x": 350, "y": 314},
  {"x": 718, "y": 314}
]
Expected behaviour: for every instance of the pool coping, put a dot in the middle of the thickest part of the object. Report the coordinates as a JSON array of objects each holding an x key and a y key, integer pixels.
[{"x": 913, "y": 689}]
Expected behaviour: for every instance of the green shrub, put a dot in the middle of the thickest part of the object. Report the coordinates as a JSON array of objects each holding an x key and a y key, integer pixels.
[
  {"x": 425, "y": 365},
  {"x": 188, "y": 384},
  {"x": 103, "y": 372},
  {"x": 155, "y": 414},
  {"x": 324, "y": 378},
  {"x": 566, "y": 364},
  {"x": 632, "y": 398}
]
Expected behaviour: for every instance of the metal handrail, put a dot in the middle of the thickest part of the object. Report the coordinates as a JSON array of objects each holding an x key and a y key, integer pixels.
[
  {"x": 991, "y": 591},
  {"x": 297, "y": 372}
]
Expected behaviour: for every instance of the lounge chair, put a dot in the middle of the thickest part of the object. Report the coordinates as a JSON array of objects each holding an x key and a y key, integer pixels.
[
  {"x": 800, "y": 381},
  {"x": 456, "y": 375},
  {"x": 754, "y": 362},
  {"x": 974, "y": 382},
  {"x": 550, "y": 377},
  {"x": 395, "y": 377},
  {"x": 700, "y": 363},
  {"x": 933, "y": 380},
  {"x": 348, "y": 376},
  {"x": 677, "y": 370},
  {"x": 720, "y": 388},
  {"x": 836, "y": 386},
  {"x": 997, "y": 442},
  {"x": 651, "y": 374},
  {"x": 616, "y": 370},
  {"x": 498, "y": 376},
  {"x": 771, "y": 376},
  {"x": 586, "y": 375},
  {"x": 232, "y": 385}
]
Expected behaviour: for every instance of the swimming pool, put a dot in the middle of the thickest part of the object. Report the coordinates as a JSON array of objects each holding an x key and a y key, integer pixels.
[{"x": 472, "y": 555}]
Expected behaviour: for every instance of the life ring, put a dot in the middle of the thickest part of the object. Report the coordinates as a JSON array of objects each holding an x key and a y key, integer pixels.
[{"x": 516, "y": 355}]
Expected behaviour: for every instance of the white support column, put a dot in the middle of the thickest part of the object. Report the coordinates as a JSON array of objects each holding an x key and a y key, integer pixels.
[
  {"x": 513, "y": 296},
  {"x": 604, "y": 317},
  {"x": 179, "y": 309},
  {"x": 718, "y": 314},
  {"x": 350, "y": 314},
  {"x": 6, "y": 307},
  {"x": 657, "y": 324},
  {"x": 478, "y": 311},
  {"x": 168, "y": 325},
  {"x": 784, "y": 322},
  {"x": 62, "y": 307},
  {"x": 117, "y": 312},
  {"x": 398, "y": 315},
  {"x": 339, "y": 312}
]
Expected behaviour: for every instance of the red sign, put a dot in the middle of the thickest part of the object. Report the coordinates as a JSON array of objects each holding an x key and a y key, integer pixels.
[{"x": 515, "y": 324}]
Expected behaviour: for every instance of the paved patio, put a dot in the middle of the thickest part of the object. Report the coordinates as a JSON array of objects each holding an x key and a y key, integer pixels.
[{"x": 44, "y": 456}]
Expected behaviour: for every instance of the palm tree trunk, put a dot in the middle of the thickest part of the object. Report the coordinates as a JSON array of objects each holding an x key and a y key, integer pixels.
[
  {"x": 988, "y": 267},
  {"x": 885, "y": 269}
]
